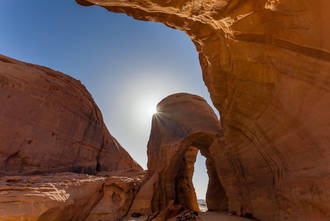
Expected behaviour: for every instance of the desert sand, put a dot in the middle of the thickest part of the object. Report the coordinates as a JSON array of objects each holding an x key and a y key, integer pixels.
[
  {"x": 204, "y": 216},
  {"x": 217, "y": 216}
]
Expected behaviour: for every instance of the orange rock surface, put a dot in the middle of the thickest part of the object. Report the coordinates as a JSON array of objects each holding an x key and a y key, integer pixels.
[
  {"x": 50, "y": 123},
  {"x": 183, "y": 125},
  {"x": 266, "y": 64},
  {"x": 66, "y": 197}
]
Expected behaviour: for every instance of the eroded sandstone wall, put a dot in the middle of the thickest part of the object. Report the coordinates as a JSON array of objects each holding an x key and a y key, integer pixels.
[
  {"x": 52, "y": 136},
  {"x": 50, "y": 123},
  {"x": 67, "y": 197},
  {"x": 266, "y": 64}
]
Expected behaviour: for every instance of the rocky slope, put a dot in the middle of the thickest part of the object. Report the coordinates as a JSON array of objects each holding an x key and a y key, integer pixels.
[
  {"x": 266, "y": 64},
  {"x": 50, "y": 123},
  {"x": 52, "y": 135},
  {"x": 66, "y": 197}
]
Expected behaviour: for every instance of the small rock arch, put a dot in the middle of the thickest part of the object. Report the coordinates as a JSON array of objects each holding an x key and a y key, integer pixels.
[
  {"x": 180, "y": 174},
  {"x": 184, "y": 125}
]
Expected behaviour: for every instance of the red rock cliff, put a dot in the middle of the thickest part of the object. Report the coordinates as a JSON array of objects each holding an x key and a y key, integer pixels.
[
  {"x": 266, "y": 64},
  {"x": 50, "y": 123}
]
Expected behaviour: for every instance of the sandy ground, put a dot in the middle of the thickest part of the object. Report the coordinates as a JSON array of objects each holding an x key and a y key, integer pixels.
[
  {"x": 141, "y": 218},
  {"x": 204, "y": 216},
  {"x": 202, "y": 208},
  {"x": 215, "y": 216}
]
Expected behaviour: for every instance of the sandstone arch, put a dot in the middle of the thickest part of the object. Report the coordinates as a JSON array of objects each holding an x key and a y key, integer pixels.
[
  {"x": 181, "y": 171},
  {"x": 184, "y": 124},
  {"x": 266, "y": 64},
  {"x": 176, "y": 182}
]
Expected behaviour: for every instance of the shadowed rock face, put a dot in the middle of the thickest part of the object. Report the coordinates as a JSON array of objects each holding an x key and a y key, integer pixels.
[
  {"x": 266, "y": 64},
  {"x": 50, "y": 123},
  {"x": 183, "y": 125}
]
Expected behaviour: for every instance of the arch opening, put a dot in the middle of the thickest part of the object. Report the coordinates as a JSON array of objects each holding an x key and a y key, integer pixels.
[
  {"x": 184, "y": 192},
  {"x": 200, "y": 181}
]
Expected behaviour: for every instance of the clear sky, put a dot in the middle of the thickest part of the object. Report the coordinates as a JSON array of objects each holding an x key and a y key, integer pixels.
[{"x": 127, "y": 65}]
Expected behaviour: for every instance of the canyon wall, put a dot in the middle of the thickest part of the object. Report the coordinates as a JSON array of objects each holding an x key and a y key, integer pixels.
[
  {"x": 50, "y": 123},
  {"x": 52, "y": 139},
  {"x": 266, "y": 64},
  {"x": 67, "y": 196}
]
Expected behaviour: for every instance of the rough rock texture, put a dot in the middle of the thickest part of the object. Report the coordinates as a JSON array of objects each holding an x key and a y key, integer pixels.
[
  {"x": 66, "y": 197},
  {"x": 50, "y": 123},
  {"x": 266, "y": 64},
  {"x": 36, "y": 197},
  {"x": 183, "y": 125},
  {"x": 118, "y": 195}
]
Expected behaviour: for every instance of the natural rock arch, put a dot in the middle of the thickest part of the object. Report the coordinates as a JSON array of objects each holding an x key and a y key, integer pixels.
[
  {"x": 266, "y": 64},
  {"x": 177, "y": 178},
  {"x": 181, "y": 171},
  {"x": 184, "y": 124}
]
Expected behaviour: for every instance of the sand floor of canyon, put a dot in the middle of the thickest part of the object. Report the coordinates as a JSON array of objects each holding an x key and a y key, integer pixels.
[{"x": 203, "y": 216}]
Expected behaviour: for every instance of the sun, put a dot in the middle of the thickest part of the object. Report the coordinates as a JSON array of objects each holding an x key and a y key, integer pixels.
[
  {"x": 146, "y": 109},
  {"x": 152, "y": 109}
]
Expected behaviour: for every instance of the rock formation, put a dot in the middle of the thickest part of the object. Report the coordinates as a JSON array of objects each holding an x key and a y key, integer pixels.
[
  {"x": 183, "y": 125},
  {"x": 266, "y": 64},
  {"x": 50, "y": 123},
  {"x": 52, "y": 135},
  {"x": 66, "y": 197}
]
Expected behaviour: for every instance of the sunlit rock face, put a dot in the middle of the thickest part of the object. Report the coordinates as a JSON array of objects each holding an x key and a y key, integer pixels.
[
  {"x": 51, "y": 136},
  {"x": 32, "y": 198},
  {"x": 66, "y": 197},
  {"x": 266, "y": 64},
  {"x": 50, "y": 123},
  {"x": 183, "y": 125}
]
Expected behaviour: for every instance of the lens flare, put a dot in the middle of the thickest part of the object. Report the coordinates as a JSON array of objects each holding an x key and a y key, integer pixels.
[{"x": 152, "y": 110}]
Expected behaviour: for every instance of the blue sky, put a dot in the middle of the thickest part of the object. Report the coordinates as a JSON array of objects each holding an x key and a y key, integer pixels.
[{"x": 127, "y": 65}]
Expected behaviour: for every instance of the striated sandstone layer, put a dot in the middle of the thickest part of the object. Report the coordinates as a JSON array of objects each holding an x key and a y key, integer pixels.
[
  {"x": 51, "y": 130},
  {"x": 183, "y": 125},
  {"x": 266, "y": 64},
  {"x": 50, "y": 123},
  {"x": 66, "y": 197}
]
